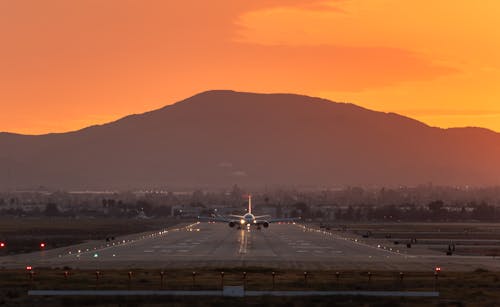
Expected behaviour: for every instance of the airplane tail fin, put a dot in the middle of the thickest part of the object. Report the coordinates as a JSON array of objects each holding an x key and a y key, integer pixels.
[{"x": 249, "y": 203}]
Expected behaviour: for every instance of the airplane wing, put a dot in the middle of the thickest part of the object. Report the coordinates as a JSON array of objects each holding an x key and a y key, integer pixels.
[
  {"x": 215, "y": 219},
  {"x": 239, "y": 217},
  {"x": 262, "y": 216},
  {"x": 266, "y": 223},
  {"x": 284, "y": 220}
]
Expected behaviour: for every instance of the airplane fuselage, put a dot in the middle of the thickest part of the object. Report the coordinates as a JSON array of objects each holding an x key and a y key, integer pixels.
[{"x": 248, "y": 219}]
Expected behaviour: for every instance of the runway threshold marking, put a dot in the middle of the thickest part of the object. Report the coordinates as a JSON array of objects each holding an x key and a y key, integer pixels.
[
  {"x": 353, "y": 241},
  {"x": 131, "y": 239}
]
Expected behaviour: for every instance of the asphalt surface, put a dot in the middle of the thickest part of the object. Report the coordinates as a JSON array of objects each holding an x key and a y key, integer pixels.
[{"x": 217, "y": 245}]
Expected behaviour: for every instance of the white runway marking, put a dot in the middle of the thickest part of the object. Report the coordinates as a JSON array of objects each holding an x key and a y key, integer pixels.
[{"x": 243, "y": 242}]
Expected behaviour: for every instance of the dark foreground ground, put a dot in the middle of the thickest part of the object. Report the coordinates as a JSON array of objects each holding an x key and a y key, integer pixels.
[
  {"x": 479, "y": 288},
  {"x": 251, "y": 301}
]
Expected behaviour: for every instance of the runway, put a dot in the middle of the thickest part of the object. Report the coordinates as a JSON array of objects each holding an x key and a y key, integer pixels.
[{"x": 216, "y": 245}]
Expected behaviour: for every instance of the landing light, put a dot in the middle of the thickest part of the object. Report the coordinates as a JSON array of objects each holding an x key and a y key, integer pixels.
[{"x": 242, "y": 221}]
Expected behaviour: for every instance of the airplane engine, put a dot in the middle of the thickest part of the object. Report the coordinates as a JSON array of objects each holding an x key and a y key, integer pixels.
[
  {"x": 265, "y": 224},
  {"x": 232, "y": 224}
]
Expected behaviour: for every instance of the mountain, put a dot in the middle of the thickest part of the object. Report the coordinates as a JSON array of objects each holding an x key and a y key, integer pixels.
[{"x": 218, "y": 138}]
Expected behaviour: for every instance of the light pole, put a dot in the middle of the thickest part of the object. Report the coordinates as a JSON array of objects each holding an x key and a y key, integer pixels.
[
  {"x": 66, "y": 275},
  {"x": 97, "y": 274},
  {"x": 31, "y": 275},
  {"x": 436, "y": 277},
  {"x": 162, "y": 275},
  {"x": 129, "y": 279}
]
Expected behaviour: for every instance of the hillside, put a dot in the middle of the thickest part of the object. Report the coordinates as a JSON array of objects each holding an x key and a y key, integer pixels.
[{"x": 218, "y": 138}]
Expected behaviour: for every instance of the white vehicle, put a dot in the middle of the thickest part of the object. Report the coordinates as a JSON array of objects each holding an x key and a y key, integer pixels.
[{"x": 247, "y": 220}]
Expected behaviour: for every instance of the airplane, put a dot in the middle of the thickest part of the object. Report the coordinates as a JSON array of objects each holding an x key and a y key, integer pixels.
[{"x": 247, "y": 220}]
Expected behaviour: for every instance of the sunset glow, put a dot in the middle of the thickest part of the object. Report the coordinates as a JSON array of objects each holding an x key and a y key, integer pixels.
[{"x": 65, "y": 65}]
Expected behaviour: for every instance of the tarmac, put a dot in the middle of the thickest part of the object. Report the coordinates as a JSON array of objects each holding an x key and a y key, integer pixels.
[{"x": 283, "y": 246}]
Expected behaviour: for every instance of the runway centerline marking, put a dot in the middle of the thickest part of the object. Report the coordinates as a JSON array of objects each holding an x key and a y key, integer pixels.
[{"x": 243, "y": 242}]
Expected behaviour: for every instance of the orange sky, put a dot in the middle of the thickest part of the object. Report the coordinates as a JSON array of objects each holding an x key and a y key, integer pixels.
[{"x": 66, "y": 64}]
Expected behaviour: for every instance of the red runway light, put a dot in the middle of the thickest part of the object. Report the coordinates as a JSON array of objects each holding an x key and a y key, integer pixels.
[
  {"x": 2, "y": 244},
  {"x": 438, "y": 269},
  {"x": 28, "y": 268},
  {"x": 42, "y": 245}
]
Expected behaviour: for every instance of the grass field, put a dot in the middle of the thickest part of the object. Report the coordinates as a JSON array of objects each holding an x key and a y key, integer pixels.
[
  {"x": 25, "y": 234},
  {"x": 471, "y": 239}
]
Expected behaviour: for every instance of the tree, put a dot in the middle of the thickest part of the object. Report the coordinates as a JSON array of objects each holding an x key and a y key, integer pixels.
[
  {"x": 162, "y": 210},
  {"x": 51, "y": 209},
  {"x": 144, "y": 206},
  {"x": 198, "y": 196},
  {"x": 436, "y": 206},
  {"x": 303, "y": 207},
  {"x": 236, "y": 193}
]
